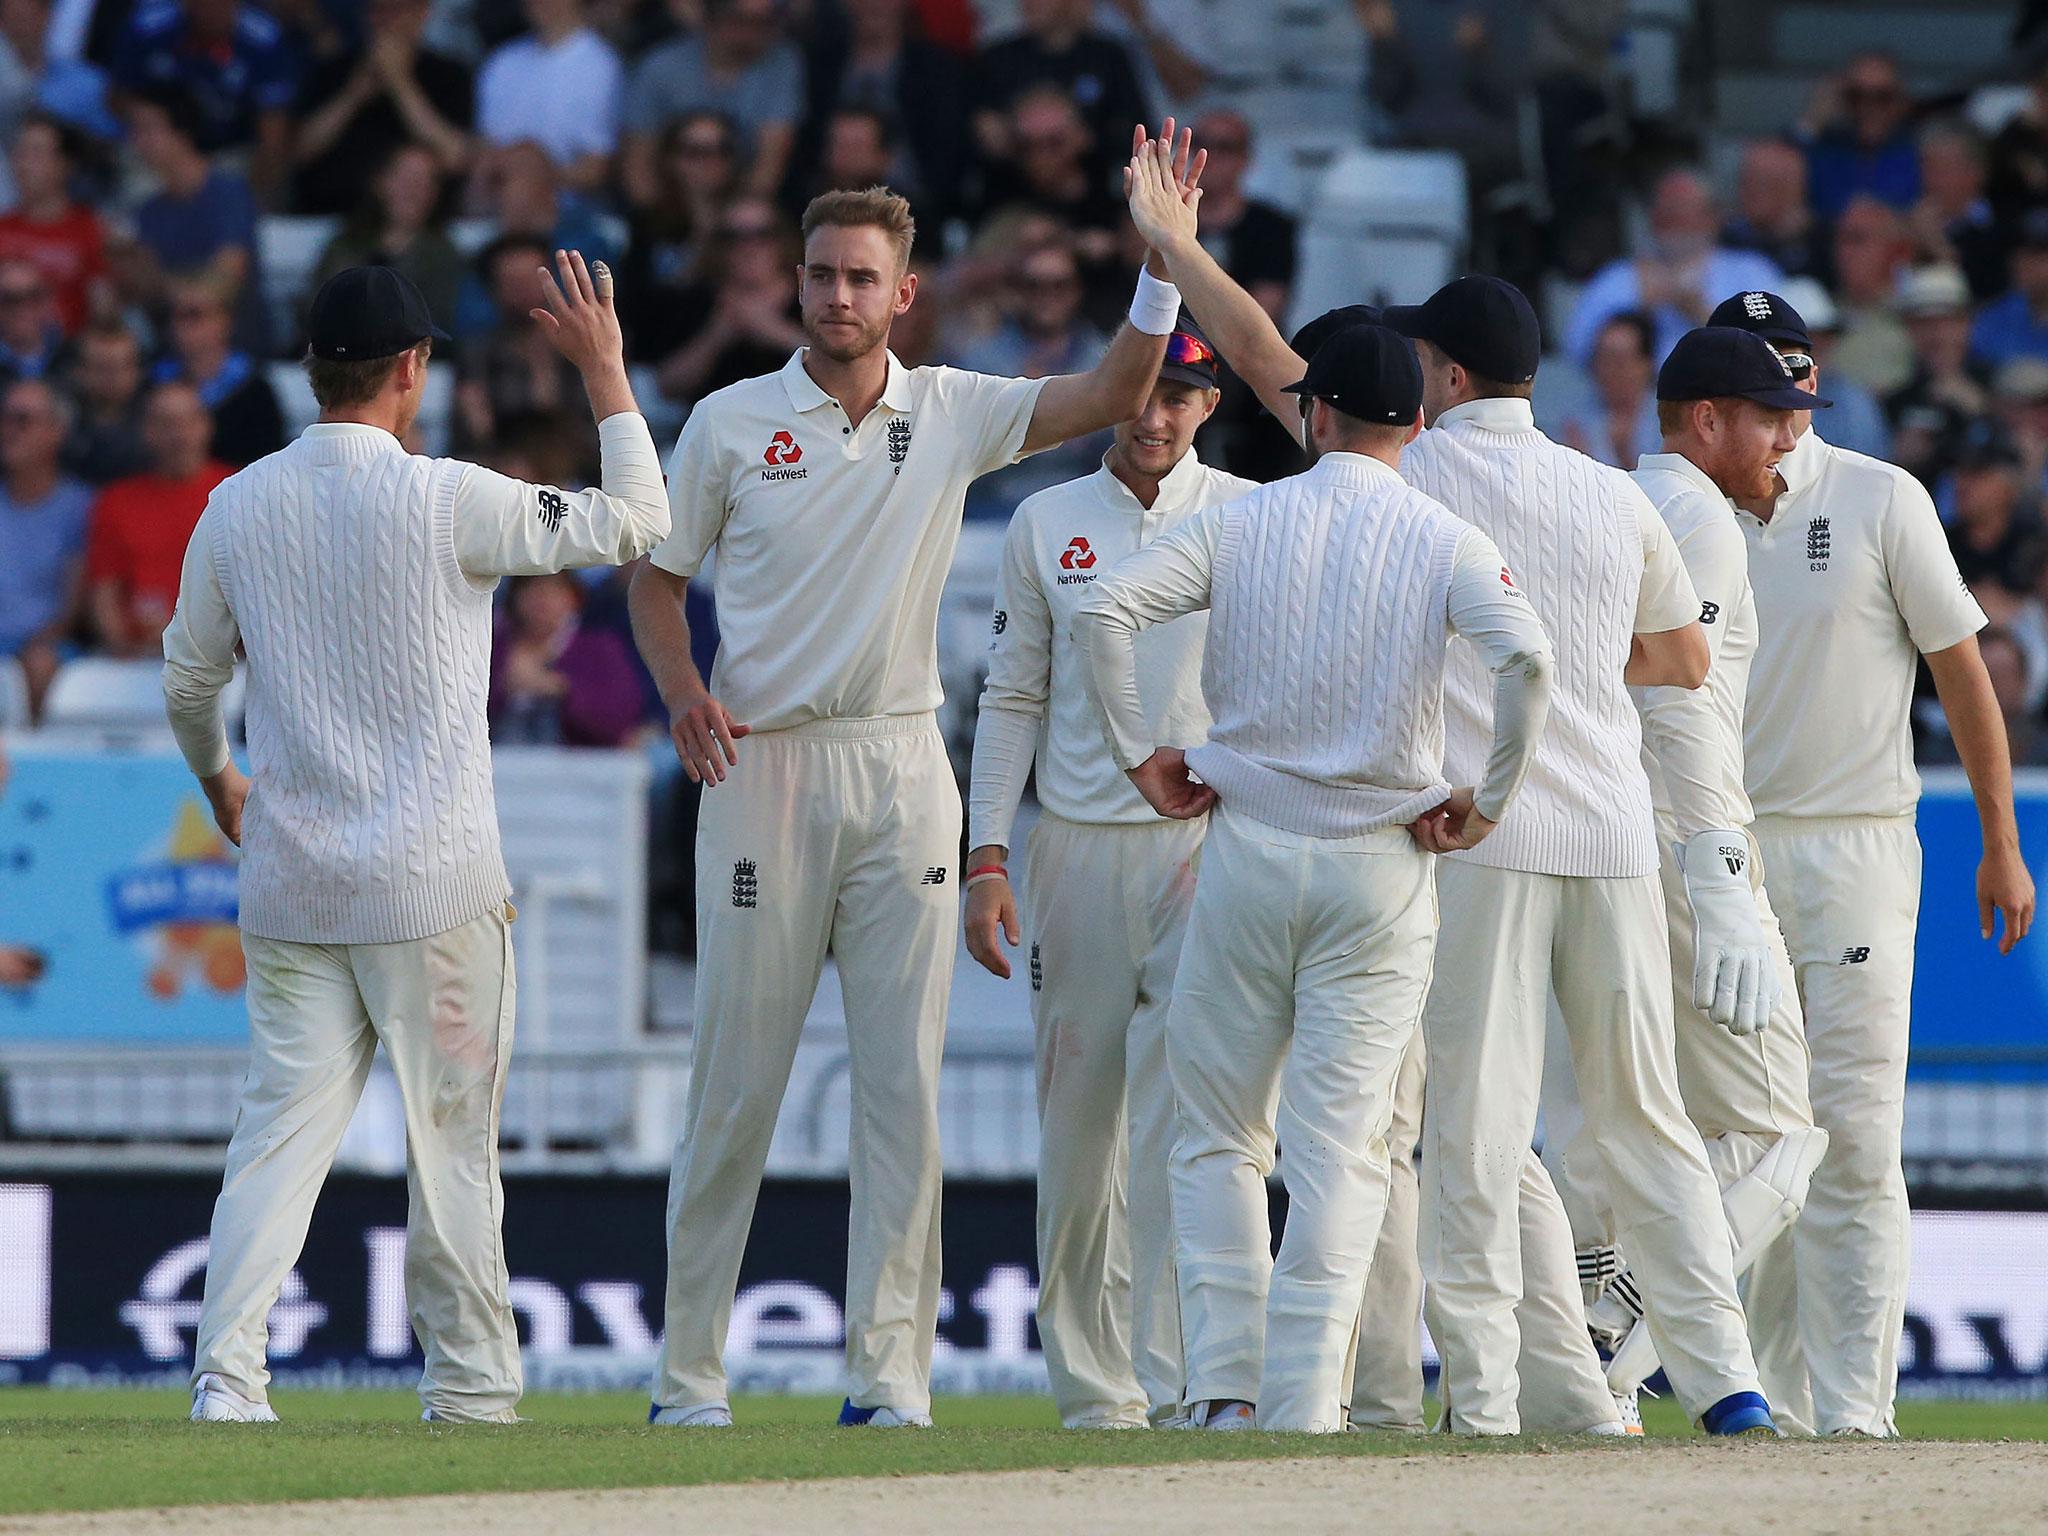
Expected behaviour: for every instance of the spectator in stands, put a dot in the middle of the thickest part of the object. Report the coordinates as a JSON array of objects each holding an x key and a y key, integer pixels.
[
  {"x": 1252, "y": 240},
  {"x": 1857, "y": 138},
  {"x": 65, "y": 239},
  {"x": 1573, "y": 45},
  {"x": 1856, "y": 421},
  {"x": 31, "y": 339},
  {"x": 667, "y": 256},
  {"x": 201, "y": 219},
  {"x": 1061, "y": 50},
  {"x": 247, "y": 423},
  {"x": 1996, "y": 531},
  {"x": 400, "y": 226},
  {"x": 881, "y": 61},
  {"x": 1044, "y": 333},
  {"x": 561, "y": 86},
  {"x": 511, "y": 370},
  {"x": 70, "y": 90},
  {"x": 2012, "y": 672},
  {"x": 2017, "y": 325},
  {"x": 554, "y": 682},
  {"x": 1872, "y": 250},
  {"x": 1949, "y": 388},
  {"x": 106, "y": 379},
  {"x": 1621, "y": 423},
  {"x": 1440, "y": 81},
  {"x": 522, "y": 194},
  {"x": 1772, "y": 215},
  {"x": 2019, "y": 402},
  {"x": 141, "y": 525},
  {"x": 2017, "y": 178},
  {"x": 1678, "y": 277},
  {"x": 745, "y": 319},
  {"x": 237, "y": 66},
  {"x": 858, "y": 149},
  {"x": 1952, "y": 224},
  {"x": 359, "y": 108},
  {"x": 741, "y": 64},
  {"x": 43, "y": 519},
  {"x": 1048, "y": 168}
]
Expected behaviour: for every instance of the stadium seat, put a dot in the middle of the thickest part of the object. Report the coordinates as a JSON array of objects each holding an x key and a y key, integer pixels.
[
  {"x": 1287, "y": 166},
  {"x": 13, "y": 695},
  {"x": 121, "y": 701},
  {"x": 1388, "y": 226},
  {"x": 288, "y": 250}
]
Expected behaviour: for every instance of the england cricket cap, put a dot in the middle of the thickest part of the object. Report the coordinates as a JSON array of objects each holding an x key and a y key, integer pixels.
[
  {"x": 1483, "y": 324},
  {"x": 363, "y": 313},
  {"x": 1763, "y": 314},
  {"x": 1189, "y": 357},
  {"x": 1719, "y": 362},
  {"x": 1310, "y": 338},
  {"x": 1366, "y": 371}
]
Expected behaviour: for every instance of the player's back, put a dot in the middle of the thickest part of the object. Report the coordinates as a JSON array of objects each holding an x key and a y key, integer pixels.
[{"x": 1571, "y": 530}]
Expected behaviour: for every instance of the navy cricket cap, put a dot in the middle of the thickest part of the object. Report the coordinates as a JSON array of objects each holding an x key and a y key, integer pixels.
[
  {"x": 1310, "y": 338},
  {"x": 1718, "y": 362},
  {"x": 1189, "y": 357},
  {"x": 1483, "y": 324},
  {"x": 1763, "y": 314},
  {"x": 1366, "y": 371},
  {"x": 363, "y": 313}
]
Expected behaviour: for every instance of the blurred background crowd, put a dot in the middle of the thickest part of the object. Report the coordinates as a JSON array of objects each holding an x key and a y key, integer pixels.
[{"x": 179, "y": 174}]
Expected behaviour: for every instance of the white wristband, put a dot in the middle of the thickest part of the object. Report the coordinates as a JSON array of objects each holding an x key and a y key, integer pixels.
[{"x": 1155, "y": 307}]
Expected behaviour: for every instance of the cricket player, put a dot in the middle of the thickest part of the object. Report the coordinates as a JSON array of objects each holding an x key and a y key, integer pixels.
[
  {"x": 1854, "y": 584},
  {"x": 1568, "y": 899},
  {"x": 831, "y": 492},
  {"x": 1107, "y": 890},
  {"x": 1332, "y": 598},
  {"x": 1726, "y": 404},
  {"x": 358, "y": 579}
]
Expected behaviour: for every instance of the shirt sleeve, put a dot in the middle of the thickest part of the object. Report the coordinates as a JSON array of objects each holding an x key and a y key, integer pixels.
[
  {"x": 1666, "y": 599},
  {"x": 1937, "y": 607},
  {"x": 1682, "y": 725},
  {"x": 199, "y": 656},
  {"x": 990, "y": 414},
  {"x": 1161, "y": 581},
  {"x": 699, "y": 498},
  {"x": 1013, "y": 700},
  {"x": 1490, "y": 611},
  {"x": 506, "y": 527}
]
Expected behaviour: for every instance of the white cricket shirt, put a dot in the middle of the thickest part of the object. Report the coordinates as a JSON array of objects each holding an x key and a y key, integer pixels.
[
  {"x": 833, "y": 540},
  {"x": 1692, "y": 746},
  {"x": 1600, "y": 567},
  {"x": 1854, "y": 580},
  {"x": 1036, "y": 702}
]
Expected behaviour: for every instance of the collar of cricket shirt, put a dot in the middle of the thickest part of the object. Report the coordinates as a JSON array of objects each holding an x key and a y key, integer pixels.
[
  {"x": 1678, "y": 464},
  {"x": 1352, "y": 468},
  {"x": 1802, "y": 466},
  {"x": 1176, "y": 487},
  {"x": 1500, "y": 413},
  {"x": 806, "y": 395},
  {"x": 332, "y": 429}
]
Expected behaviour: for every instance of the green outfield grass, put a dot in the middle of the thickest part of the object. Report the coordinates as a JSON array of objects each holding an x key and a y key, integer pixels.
[{"x": 113, "y": 1450}]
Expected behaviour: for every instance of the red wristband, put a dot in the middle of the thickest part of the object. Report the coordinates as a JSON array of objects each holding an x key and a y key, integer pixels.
[{"x": 988, "y": 869}]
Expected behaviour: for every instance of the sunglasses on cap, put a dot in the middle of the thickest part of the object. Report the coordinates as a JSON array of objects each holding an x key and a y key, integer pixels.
[
  {"x": 1798, "y": 364},
  {"x": 1188, "y": 350}
]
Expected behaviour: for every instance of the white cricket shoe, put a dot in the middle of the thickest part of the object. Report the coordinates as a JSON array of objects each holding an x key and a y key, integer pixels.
[
  {"x": 895, "y": 1418},
  {"x": 1628, "y": 1408},
  {"x": 215, "y": 1402},
  {"x": 1223, "y": 1417},
  {"x": 713, "y": 1416},
  {"x": 1112, "y": 1424},
  {"x": 428, "y": 1416}
]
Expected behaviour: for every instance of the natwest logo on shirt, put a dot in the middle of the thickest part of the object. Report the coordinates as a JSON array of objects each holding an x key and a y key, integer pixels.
[
  {"x": 782, "y": 457},
  {"x": 1077, "y": 561},
  {"x": 1507, "y": 579}
]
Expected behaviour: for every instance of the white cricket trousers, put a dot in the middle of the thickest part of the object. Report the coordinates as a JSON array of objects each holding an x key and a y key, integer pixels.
[
  {"x": 1847, "y": 890},
  {"x": 442, "y": 1009},
  {"x": 839, "y": 835},
  {"x": 1300, "y": 984},
  {"x": 1509, "y": 938},
  {"x": 1105, "y": 911},
  {"x": 1742, "y": 1093}
]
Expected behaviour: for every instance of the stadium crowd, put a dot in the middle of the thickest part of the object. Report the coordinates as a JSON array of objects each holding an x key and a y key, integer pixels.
[{"x": 147, "y": 141}]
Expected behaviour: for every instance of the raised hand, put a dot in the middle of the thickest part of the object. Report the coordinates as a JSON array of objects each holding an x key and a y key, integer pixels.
[
  {"x": 1163, "y": 185},
  {"x": 579, "y": 317}
]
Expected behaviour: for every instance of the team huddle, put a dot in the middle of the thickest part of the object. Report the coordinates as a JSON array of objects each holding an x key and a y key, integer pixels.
[{"x": 1457, "y": 781}]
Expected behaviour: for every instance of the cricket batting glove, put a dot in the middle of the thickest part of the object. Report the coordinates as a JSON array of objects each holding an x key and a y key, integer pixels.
[{"x": 1734, "y": 979}]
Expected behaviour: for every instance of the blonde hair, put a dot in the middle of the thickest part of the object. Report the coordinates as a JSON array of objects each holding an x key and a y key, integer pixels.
[{"x": 867, "y": 208}]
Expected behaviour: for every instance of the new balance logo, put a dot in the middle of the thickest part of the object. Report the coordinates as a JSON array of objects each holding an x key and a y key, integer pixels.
[
  {"x": 1855, "y": 956},
  {"x": 1002, "y": 620},
  {"x": 551, "y": 509},
  {"x": 1817, "y": 541},
  {"x": 1709, "y": 612},
  {"x": 1734, "y": 856},
  {"x": 936, "y": 875},
  {"x": 746, "y": 884}
]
